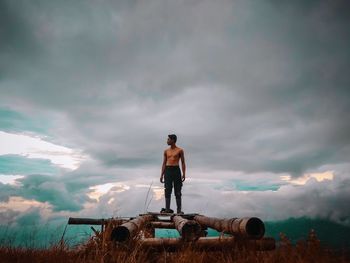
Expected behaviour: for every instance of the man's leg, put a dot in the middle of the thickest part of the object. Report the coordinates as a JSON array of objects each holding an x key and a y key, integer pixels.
[
  {"x": 178, "y": 204},
  {"x": 177, "y": 189},
  {"x": 168, "y": 189},
  {"x": 167, "y": 203}
]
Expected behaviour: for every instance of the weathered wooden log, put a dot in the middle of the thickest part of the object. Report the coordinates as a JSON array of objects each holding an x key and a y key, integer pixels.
[
  {"x": 248, "y": 227},
  {"x": 129, "y": 229},
  {"x": 86, "y": 221},
  {"x": 189, "y": 229},
  {"x": 207, "y": 243}
]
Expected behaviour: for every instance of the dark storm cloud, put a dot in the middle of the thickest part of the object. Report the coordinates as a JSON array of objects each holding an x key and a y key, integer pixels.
[
  {"x": 6, "y": 192},
  {"x": 248, "y": 86},
  {"x": 32, "y": 217},
  {"x": 18, "y": 44},
  {"x": 48, "y": 189}
]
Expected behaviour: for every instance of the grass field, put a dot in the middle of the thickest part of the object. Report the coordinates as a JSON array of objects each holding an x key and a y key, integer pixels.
[{"x": 100, "y": 249}]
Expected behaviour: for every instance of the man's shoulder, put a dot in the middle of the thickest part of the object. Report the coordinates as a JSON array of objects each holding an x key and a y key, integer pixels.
[{"x": 180, "y": 149}]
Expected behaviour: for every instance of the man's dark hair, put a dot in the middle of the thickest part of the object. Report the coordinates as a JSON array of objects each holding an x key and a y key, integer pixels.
[{"x": 173, "y": 137}]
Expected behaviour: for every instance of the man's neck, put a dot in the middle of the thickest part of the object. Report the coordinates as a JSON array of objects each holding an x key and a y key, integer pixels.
[{"x": 173, "y": 146}]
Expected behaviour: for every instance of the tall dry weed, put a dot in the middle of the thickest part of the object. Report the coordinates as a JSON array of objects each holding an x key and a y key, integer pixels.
[{"x": 100, "y": 249}]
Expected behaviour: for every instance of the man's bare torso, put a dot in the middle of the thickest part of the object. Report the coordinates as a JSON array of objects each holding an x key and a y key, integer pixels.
[{"x": 173, "y": 156}]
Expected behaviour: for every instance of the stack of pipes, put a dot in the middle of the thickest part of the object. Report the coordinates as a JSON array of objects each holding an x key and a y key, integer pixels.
[{"x": 192, "y": 229}]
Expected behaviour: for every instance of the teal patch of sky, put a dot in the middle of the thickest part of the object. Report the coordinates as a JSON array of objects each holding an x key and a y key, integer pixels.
[
  {"x": 19, "y": 165},
  {"x": 241, "y": 185},
  {"x": 12, "y": 121},
  {"x": 256, "y": 186}
]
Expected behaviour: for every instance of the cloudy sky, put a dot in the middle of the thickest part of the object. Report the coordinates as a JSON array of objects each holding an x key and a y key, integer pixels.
[{"x": 257, "y": 92}]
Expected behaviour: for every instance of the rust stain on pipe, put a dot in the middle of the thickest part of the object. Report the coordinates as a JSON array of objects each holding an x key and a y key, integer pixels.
[
  {"x": 249, "y": 227},
  {"x": 129, "y": 229},
  {"x": 189, "y": 229}
]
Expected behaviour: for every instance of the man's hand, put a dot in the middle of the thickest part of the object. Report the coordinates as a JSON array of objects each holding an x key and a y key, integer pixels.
[
  {"x": 183, "y": 178},
  {"x": 162, "y": 178}
]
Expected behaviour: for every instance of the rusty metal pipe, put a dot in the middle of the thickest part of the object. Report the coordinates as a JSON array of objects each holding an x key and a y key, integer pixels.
[
  {"x": 249, "y": 227},
  {"x": 189, "y": 229},
  {"x": 129, "y": 229}
]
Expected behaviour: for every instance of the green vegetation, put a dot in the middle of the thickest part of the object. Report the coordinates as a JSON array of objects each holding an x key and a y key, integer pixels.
[{"x": 100, "y": 249}]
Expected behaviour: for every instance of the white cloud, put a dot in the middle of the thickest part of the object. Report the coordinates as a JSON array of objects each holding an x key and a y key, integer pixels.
[
  {"x": 10, "y": 178},
  {"x": 328, "y": 175},
  {"x": 97, "y": 191},
  {"x": 17, "y": 203},
  {"x": 35, "y": 147}
]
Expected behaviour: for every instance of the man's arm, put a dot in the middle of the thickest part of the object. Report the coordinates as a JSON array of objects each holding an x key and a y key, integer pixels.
[
  {"x": 183, "y": 164},
  {"x": 163, "y": 168}
]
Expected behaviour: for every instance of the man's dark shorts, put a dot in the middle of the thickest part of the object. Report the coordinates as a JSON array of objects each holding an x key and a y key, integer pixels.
[{"x": 172, "y": 177}]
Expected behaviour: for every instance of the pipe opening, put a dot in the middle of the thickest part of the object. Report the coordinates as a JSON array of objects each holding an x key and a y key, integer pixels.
[
  {"x": 255, "y": 228},
  {"x": 190, "y": 231},
  {"x": 120, "y": 234}
]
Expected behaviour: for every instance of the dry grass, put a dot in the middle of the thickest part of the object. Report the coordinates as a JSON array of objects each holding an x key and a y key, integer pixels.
[{"x": 100, "y": 249}]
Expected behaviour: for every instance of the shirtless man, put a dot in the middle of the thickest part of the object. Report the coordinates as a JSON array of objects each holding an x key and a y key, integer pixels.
[{"x": 171, "y": 173}]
